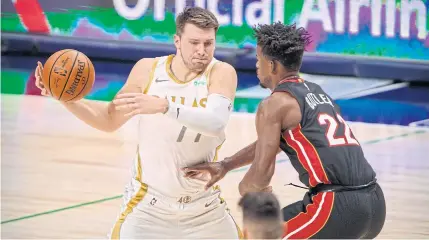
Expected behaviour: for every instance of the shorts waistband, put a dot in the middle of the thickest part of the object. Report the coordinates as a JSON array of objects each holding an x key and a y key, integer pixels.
[
  {"x": 339, "y": 188},
  {"x": 181, "y": 199}
]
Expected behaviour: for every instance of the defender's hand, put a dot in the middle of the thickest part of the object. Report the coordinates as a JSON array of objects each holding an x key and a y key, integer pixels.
[
  {"x": 140, "y": 103},
  {"x": 216, "y": 170},
  {"x": 39, "y": 82}
]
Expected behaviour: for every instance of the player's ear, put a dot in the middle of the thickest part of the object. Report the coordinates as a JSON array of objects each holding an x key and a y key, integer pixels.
[
  {"x": 273, "y": 66},
  {"x": 177, "y": 41}
]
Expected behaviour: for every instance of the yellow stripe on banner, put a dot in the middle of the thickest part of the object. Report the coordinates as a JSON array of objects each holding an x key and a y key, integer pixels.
[{"x": 133, "y": 202}]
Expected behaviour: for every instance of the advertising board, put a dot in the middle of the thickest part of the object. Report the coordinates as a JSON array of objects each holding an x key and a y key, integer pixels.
[{"x": 395, "y": 29}]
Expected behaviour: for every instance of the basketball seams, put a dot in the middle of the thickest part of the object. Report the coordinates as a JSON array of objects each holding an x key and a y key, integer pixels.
[
  {"x": 52, "y": 68},
  {"x": 63, "y": 68},
  {"x": 87, "y": 79},
  {"x": 72, "y": 69}
]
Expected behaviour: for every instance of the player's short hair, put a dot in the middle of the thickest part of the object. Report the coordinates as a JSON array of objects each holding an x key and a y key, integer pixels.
[
  {"x": 262, "y": 214},
  {"x": 284, "y": 43},
  {"x": 197, "y": 16}
]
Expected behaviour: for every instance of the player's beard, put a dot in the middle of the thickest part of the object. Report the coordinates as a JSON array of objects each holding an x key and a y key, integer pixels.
[{"x": 190, "y": 66}]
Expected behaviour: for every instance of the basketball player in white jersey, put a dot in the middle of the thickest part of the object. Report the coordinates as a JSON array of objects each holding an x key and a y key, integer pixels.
[{"x": 183, "y": 103}]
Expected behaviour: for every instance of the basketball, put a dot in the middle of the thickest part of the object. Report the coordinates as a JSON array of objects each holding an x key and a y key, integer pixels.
[{"x": 68, "y": 75}]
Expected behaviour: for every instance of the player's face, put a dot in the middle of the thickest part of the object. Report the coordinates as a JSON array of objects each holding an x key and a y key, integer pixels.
[
  {"x": 196, "y": 46},
  {"x": 263, "y": 68}
]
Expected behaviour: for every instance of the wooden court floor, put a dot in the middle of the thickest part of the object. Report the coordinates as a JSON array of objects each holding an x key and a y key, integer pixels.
[{"x": 52, "y": 163}]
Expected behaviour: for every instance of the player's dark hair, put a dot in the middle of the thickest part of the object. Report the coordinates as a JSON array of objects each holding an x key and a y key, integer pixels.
[
  {"x": 284, "y": 43},
  {"x": 260, "y": 206},
  {"x": 197, "y": 16},
  {"x": 261, "y": 215}
]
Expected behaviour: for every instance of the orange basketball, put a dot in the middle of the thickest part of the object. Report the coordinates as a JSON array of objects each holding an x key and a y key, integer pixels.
[{"x": 68, "y": 75}]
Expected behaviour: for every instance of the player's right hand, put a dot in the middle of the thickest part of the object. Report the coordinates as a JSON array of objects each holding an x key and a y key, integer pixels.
[
  {"x": 39, "y": 83},
  {"x": 216, "y": 170}
]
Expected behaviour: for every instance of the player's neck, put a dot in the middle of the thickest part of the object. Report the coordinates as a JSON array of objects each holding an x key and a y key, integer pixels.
[
  {"x": 181, "y": 71},
  {"x": 285, "y": 75}
]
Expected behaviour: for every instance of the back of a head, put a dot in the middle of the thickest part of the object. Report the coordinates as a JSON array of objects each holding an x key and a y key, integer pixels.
[
  {"x": 284, "y": 43},
  {"x": 200, "y": 17},
  {"x": 262, "y": 217}
]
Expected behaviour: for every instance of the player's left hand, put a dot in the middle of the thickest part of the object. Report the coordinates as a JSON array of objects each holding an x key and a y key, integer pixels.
[{"x": 139, "y": 103}]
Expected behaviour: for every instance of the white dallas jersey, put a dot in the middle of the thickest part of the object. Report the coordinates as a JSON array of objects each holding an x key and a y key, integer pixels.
[{"x": 165, "y": 145}]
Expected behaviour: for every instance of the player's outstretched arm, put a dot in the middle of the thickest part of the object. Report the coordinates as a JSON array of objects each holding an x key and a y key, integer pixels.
[
  {"x": 241, "y": 158},
  {"x": 212, "y": 119},
  {"x": 278, "y": 112},
  {"x": 218, "y": 170},
  {"x": 105, "y": 116}
]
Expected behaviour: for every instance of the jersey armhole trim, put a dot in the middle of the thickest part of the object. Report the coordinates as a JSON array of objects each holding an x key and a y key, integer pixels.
[
  {"x": 170, "y": 73},
  {"x": 151, "y": 75},
  {"x": 209, "y": 72}
]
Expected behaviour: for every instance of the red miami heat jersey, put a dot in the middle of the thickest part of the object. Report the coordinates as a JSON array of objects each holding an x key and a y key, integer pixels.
[{"x": 322, "y": 148}]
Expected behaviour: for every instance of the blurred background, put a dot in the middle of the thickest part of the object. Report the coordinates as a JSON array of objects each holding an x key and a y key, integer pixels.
[{"x": 371, "y": 56}]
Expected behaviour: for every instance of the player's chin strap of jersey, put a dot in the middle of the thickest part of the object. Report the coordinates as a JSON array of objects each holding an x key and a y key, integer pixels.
[
  {"x": 335, "y": 188},
  {"x": 209, "y": 121}
]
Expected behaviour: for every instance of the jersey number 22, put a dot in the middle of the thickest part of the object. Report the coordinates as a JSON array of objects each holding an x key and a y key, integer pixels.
[{"x": 347, "y": 139}]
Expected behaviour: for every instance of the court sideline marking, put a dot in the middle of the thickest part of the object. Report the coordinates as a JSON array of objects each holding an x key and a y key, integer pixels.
[{"x": 404, "y": 135}]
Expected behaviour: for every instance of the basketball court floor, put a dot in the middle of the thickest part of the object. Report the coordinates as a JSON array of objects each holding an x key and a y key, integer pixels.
[{"x": 63, "y": 179}]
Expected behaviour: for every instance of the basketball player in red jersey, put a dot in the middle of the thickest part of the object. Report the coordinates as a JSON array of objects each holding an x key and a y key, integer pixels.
[{"x": 344, "y": 200}]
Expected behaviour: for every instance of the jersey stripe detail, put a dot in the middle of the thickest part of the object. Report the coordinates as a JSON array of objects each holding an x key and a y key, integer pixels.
[
  {"x": 307, "y": 224},
  {"x": 307, "y": 156},
  {"x": 133, "y": 201},
  {"x": 151, "y": 75},
  {"x": 209, "y": 71}
]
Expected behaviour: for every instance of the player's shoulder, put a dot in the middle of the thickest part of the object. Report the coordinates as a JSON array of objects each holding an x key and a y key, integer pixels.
[
  {"x": 140, "y": 72},
  {"x": 221, "y": 68},
  {"x": 223, "y": 65},
  {"x": 281, "y": 97},
  {"x": 145, "y": 63},
  {"x": 280, "y": 107},
  {"x": 223, "y": 71},
  {"x": 149, "y": 63},
  {"x": 279, "y": 101}
]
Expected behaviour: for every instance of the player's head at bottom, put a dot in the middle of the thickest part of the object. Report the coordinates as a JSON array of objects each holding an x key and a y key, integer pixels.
[
  {"x": 262, "y": 217},
  {"x": 279, "y": 52}
]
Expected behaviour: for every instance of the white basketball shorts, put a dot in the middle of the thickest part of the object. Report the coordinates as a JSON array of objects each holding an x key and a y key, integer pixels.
[{"x": 148, "y": 214}]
